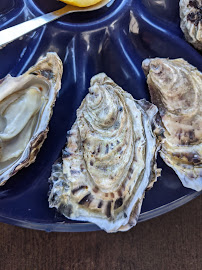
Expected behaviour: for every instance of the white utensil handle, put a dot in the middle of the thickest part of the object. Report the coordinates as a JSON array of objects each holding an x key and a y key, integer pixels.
[{"x": 14, "y": 32}]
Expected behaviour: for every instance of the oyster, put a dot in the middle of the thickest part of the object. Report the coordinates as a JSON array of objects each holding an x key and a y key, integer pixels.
[
  {"x": 176, "y": 88},
  {"x": 109, "y": 160},
  {"x": 191, "y": 21},
  {"x": 26, "y": 104}
]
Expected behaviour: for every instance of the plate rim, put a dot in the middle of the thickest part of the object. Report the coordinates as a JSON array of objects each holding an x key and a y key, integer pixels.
[{"x": 87, "y": 226}]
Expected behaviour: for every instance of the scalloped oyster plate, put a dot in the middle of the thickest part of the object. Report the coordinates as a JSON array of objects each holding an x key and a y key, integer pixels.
[{"x": 114, "y": 40}]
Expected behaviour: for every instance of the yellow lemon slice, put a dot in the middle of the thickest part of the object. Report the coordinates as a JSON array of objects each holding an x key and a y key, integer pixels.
[{"x": 81, "y": 3}]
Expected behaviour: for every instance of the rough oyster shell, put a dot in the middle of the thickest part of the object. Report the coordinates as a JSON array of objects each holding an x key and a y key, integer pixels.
[
  {"x": 109, "y": 160},
  {"x": 176, "y": 88},
  {"x": 191, "y": 21},
  {"x": 26, "y": 104}
]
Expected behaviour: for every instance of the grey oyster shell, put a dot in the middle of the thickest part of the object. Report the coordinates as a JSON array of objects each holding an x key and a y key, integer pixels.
[
  {"x": 26, "y": 104},
  {"x": 109, "y": 159},
  {"x": 191, "y": 21},
  {"x": 176, "y": 89}
]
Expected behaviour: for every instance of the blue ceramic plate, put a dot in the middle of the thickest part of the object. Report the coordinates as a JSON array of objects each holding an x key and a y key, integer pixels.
[{"x": 113, "y": 40}]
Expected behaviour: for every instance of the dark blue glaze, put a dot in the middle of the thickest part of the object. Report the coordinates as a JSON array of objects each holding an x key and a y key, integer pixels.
[{"x": 113, "y": 40}]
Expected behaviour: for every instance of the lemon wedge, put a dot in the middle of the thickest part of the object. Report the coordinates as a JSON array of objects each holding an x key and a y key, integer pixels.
[{"x": 81, "y": 3}]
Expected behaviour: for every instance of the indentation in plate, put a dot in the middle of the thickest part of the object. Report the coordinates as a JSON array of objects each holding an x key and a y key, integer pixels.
[
  {"x": 83, "y": 19},
  {"x": 164, "y": 10},
  {"x": 11, "y": 12}
]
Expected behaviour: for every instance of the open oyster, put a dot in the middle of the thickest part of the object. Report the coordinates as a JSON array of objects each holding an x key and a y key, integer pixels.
[
  {"x": 26, "y": 104},
  {"x": 191, "y": 21},
  {"x": 109, "y": 160},
  {"x": 176, "y": 88}
]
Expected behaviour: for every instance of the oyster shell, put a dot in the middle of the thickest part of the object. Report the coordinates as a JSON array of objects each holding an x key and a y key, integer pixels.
[
  {"x": 191, "y": 21},
  {"x": 26, "y": 104},
  {"x": 109, "y": 160},
  {"x": 176, "y": 88}
]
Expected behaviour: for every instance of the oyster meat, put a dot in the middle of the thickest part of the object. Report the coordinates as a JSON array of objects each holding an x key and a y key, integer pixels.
[
  {"x": 191, "y": 21},
  {"x": 176, "y": 89},
  {"x": 26, "y": 104},
  {"x": 109, "y": 159}
]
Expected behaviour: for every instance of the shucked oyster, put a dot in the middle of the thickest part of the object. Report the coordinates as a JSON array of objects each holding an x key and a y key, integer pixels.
[
  {"x": 26, "y": 104},
  {"x": 191, "y": 21},
  {"x": 109, "y": 160},
  {"x": 176, "y": 88}
]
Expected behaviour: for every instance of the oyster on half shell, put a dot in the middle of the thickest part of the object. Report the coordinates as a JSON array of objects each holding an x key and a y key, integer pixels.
[
  {"x": 176, "y": 89},
  {"x": 26, "y": 104},
  {"x": 109, "y": 160},
  {"x": 191, "y": 21}
]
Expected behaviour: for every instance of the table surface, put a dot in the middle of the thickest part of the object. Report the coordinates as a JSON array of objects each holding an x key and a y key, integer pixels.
[{"x": 172, "y": 241}]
